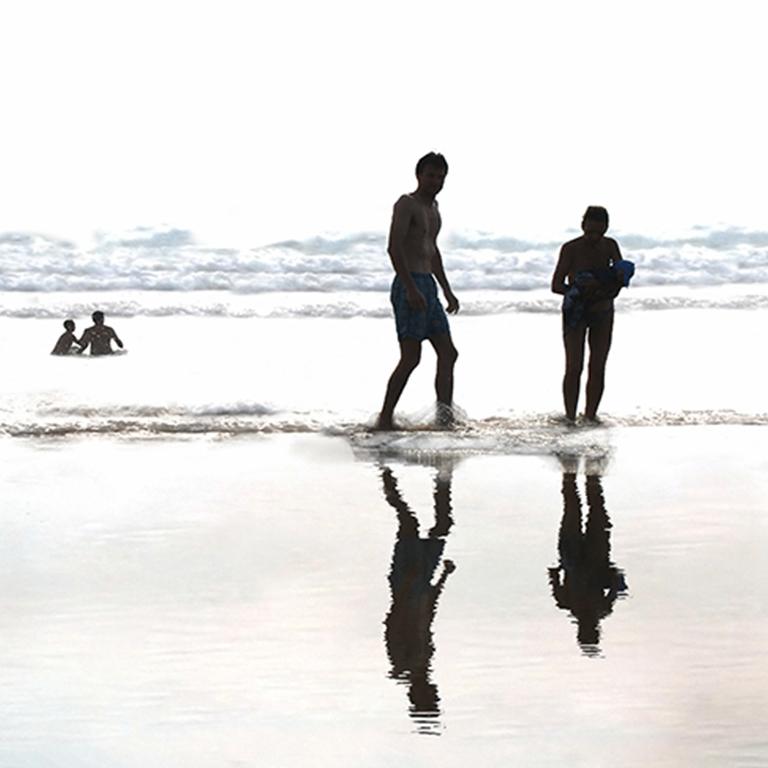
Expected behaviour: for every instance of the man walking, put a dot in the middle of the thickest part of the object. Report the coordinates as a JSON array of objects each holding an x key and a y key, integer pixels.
[{"x": 418, "y": 313}]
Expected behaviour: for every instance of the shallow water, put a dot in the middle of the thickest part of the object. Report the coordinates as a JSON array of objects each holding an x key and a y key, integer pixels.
[
  {"x": 243, "y": 375},
  {"x": 209, "y": 602}
]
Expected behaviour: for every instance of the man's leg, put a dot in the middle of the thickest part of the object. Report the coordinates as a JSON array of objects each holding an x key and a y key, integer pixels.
[
  {"x": 410, "y": 354},
  {"x": 600, "y": 334},
  {"x": 446, "y": 359},
  {"x": 573, "y": 340}
]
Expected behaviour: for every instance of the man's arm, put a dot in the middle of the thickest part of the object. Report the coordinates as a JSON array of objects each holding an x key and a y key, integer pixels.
[
  {"x": 561, "y": 272},
  {"x": 401, "y": 220},
  {"x": 439, "y": 272},
  {"x": 117, "y": 341}
]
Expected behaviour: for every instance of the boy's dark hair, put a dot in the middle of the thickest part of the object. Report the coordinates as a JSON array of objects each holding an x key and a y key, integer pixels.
[
  {"x": 435, "y": 159},
  {"x": 69, "y": 325},
  {"x": 97, "y": 316},
  {"x": 596, "y": 213}
]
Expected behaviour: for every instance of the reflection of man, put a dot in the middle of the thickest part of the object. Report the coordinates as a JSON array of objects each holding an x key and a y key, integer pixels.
[
  {"x": 408, "y": 624},
  {"x": 99, "y": 336},
  {"x": 586, "y": 582},
  {"x": 418, "y": 313}
]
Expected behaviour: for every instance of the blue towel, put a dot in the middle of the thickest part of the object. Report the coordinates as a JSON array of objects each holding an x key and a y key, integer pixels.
[
  {"x": 625, "y": 270},
  {"x": 574, "y": 303}
]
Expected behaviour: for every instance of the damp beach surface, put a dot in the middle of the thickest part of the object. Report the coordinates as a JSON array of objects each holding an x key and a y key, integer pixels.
[
  {"x": 193, "y": 375},
  {"x": 208, "y": 560},
  {"x": 290, "y": 600}
]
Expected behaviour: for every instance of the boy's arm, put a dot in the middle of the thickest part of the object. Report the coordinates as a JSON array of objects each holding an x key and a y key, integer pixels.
[
  {"x": 615, "y": 252},
  {"x": 561, "y": 272},
  {"x": 611, "y": 291},
  {"x": 439, "y": 272},
  {"x": 85, "y": 340},
  {"x": 401, "y": 219}
]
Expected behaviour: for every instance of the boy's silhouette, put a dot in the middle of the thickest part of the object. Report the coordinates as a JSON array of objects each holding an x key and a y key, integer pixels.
[{"x": 66, "y": 340}]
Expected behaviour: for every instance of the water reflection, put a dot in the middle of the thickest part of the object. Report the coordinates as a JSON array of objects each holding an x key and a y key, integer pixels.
[
  {"x": 586, "y": 582},
  {"x": 415, "y": 561}
]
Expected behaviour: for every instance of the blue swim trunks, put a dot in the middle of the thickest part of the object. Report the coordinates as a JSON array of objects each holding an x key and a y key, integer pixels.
[{"x": 418, "y": 325}]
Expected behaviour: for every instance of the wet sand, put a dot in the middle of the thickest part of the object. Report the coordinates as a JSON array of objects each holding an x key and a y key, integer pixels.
[
  {"x": 285, "y": 601},
  {"x": 334, "y": 371}
]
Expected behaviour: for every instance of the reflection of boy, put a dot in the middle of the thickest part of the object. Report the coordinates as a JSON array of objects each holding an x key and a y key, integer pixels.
[
  {"x": 100, "y": 336},
  {"x": 586, "y": 582},
  {"x": 66, "y": 340}
]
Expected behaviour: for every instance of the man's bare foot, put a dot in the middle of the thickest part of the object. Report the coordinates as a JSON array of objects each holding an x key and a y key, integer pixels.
[{"x": 384, "y": 424}]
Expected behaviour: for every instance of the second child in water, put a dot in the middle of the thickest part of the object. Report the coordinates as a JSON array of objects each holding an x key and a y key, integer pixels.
[{"x": 67, "y": 340}]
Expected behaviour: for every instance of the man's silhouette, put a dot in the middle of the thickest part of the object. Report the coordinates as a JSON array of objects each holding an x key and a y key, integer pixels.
[
  {"x": 419, "y": 315},
  {"x": 586, "y": 582},
  {"x": 415, "y": 560},
  {"x": 99, "y": 336}
]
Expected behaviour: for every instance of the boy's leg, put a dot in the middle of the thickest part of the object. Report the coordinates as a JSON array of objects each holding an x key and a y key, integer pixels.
[
  {"x": 573, "y": 341},
  {"x": 600, "y": 334}
]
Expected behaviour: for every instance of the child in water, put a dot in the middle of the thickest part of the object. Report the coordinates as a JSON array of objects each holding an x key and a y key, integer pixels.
[{"x": 66, "y": 340}]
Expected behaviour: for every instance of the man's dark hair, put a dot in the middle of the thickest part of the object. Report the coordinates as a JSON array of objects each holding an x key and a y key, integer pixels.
[
  {"x": 596, "y": 213},
  {"x": 435, "y": 159},
  {"x": 97, "y": 316}
]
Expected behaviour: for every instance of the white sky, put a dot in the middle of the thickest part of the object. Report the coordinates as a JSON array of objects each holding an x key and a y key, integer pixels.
[{"x": 248, "y": 122}]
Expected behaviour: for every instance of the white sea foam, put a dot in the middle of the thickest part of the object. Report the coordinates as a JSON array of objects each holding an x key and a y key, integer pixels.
[
  {"x": 530, "y": 434},
  {"x": 343, "y": 305},
  {"x": 169, "y": 260}
]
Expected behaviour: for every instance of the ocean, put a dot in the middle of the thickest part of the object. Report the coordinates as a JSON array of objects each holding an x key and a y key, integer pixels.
[
  {"x": 298, "y": 335},
  {"x": 208, "y": 559}
]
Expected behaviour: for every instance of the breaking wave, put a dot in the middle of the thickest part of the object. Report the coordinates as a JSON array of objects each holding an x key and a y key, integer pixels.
[
  {"x": 536, "y": 434},
  {"x": 171, "y": 260},
  {"x": 344, "y": 306}
]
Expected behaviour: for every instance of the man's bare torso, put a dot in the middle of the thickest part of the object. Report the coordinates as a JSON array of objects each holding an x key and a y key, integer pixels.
[
  {"x": 99, "y": 337},
  {"x": 420, "y": 242}
]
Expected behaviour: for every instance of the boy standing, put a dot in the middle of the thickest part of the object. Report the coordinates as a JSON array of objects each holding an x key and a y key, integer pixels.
[{"x": 589, "y": 264}]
